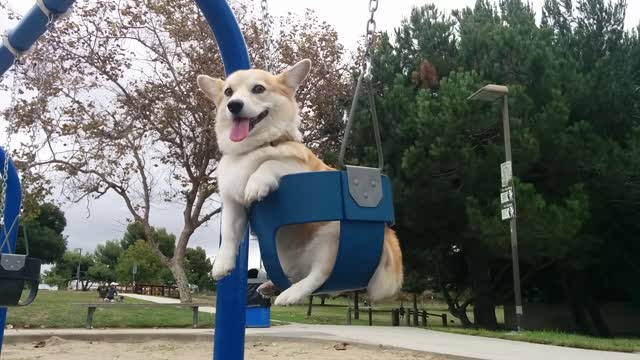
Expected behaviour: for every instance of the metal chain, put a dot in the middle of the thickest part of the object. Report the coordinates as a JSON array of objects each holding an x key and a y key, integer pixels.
[
  {"x": 365, "y": 74},
  {"x": 370, "y": 39},
  {"x": 6, "y": 234},
  {"x": 24, "y": 232},
  {"x": 7, "y": 151},
  {"x": 266, "y": 34},
  {"x": 5, "y": 179}
]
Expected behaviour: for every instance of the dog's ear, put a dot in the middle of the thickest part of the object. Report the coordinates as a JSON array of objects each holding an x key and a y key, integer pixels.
[
  {"x": 211, "y": 87},
  {"x": 293, "y": 76}
]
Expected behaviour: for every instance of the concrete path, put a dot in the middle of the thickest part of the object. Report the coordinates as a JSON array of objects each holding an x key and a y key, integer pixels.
[
  {"x": 166, "y": 300},
  {"x": 461, "y": 346},
  {"x": 475, "y": 347}
]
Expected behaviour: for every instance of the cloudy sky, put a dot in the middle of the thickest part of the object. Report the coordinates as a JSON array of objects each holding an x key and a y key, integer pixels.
[{"x": 102, "y": 220}]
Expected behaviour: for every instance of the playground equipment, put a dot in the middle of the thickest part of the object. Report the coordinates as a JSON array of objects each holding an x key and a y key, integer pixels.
[
  {"x": 15, "y": 269},
  {"x": 359, "y": 197}
]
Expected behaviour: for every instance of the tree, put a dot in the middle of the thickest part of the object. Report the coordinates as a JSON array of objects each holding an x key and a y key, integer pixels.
[
  {"x": 574, "y": 104},
  {"x": 199, "y": 268},
  {"x": 119, "y": 110},
  {"x": 65, "y": 270},
  {"x": 101, "y": 273},
  {"x": 135, "y": 231},
  {"x": 151, "y": 270},
  {"x": 109, "y": 253},
  {"x": 107, "y": 256},
  {"x": 44, "y": 234}
]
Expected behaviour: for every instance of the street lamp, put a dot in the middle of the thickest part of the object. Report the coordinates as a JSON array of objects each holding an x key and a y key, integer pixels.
[
  {"x": 79, "y": 250},
  {"x": 491, "y": 93}
]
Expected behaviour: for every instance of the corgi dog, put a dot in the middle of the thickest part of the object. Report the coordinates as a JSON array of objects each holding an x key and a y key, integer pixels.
[{"x": 257, "y": 129}]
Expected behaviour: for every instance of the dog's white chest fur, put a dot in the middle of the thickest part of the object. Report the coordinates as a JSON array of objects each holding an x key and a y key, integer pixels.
[
  {"x": 249, "y": 177},
  {"x": 233, "y": 174}
]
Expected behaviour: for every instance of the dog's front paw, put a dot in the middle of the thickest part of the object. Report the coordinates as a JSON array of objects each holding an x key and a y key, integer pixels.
[
  {"x": 223, "y": 266},
  {"x": 291, "y": 296},
  {"x": 257, "y": 188}
]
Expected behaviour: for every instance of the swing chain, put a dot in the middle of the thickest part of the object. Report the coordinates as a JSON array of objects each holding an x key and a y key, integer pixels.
[
  {"x": 371, "y": 33},
  {"x": 365, "y": 74},
  {"x": 266, "y": 33},
  {"x": 5, "y": 165},
  {"x": 5, "y": 178}
]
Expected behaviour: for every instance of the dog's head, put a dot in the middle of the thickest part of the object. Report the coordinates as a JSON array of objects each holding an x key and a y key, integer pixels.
[{"x": 255, "y": 107}]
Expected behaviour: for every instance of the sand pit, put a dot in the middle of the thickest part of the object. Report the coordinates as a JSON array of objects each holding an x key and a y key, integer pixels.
[{"x": 59, "y": 349}]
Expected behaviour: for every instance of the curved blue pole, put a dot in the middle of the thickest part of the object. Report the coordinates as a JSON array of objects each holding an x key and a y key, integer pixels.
[
  {"x": 29, "y": 29},
  {"x": 228, "y": 35},
  {"x": 12, "y": 210},
  {"x": 231, "y": 297}
]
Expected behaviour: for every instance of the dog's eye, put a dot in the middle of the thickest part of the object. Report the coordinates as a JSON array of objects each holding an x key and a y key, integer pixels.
[
  {"x": 258, "y": 89},
  {"x": 228, "y": 91}
]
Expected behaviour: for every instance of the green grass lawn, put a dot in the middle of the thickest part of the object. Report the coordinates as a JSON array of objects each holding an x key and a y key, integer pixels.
[
  {"x": 335, "y": 312},
  {"x": 556, "y": 338},
  {"x": 55, "y": 309}
]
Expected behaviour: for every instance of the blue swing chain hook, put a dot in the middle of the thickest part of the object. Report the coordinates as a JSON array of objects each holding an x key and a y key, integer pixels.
[{"x": 365, "y": 74}]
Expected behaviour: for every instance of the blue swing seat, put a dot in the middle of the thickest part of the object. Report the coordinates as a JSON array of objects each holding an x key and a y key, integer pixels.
[{"x": 324, "y": 196}]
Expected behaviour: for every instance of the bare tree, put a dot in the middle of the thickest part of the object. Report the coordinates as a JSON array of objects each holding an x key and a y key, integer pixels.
[{"x": 116, "y": 107}]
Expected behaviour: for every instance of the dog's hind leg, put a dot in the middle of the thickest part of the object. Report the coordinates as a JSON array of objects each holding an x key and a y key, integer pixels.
[
  {"x": 297, "y": 292},
  {"x": 320, "y": 254}
]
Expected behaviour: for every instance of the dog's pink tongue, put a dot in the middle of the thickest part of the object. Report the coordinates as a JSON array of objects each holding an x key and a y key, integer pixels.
[{"x": 240, "y": 130}]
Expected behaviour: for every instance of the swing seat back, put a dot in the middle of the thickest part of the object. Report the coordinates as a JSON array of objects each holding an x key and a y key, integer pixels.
[{"x": 326, "y": 196}]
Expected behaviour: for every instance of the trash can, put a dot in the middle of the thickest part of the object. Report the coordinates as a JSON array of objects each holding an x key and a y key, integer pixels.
[{"x": 258, "y": 312}]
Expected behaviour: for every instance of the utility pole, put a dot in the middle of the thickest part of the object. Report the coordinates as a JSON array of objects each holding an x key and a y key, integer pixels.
[
  {"x": 491, "y": 93},
  {"x": 78, "y": 269}
]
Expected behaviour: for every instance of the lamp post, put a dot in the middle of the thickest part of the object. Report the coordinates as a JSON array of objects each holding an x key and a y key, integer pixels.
[
  {"x": 79, "y": 250},
  {"x": 491, "y": 93}
]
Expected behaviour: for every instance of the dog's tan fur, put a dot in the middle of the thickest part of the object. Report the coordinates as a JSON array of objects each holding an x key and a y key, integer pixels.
[{"x": 251, "y": 168}]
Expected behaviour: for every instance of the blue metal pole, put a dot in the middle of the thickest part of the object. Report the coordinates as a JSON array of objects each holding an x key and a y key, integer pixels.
[
  {"x": 11, "y": 211},
  {"x": 33, "y": 25},
  {"x": 231, "y": 307},
  {"x": 228, "y": 35},
  {"x": 231, "y": 297}
]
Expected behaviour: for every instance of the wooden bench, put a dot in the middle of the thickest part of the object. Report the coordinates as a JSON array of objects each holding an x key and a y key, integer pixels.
[{"x": 91, "y": 309}]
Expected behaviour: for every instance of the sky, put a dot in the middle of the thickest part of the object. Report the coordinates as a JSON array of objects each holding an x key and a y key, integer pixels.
[{"x": 91, "y": 224}]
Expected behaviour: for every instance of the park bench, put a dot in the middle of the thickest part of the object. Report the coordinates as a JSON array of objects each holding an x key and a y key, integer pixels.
[{"x": 91, "y": 309}]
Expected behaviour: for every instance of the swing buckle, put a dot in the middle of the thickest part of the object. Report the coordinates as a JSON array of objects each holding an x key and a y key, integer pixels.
[
  {"x": 365, "y": 185},
  {"x": 12, "y": 262}
]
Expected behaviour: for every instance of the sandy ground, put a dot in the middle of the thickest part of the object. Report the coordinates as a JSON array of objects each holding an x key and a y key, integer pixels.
[{"x": 59, "y": 349}]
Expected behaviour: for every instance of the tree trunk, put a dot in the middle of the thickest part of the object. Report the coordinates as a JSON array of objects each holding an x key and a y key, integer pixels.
[
  {"x": 484, "y": 311},
  {"x": 177, "y": 269},
  {"x": 575, "y": 306},
  {"x": 458, "y": 311},
  {"x": 600, "y": 325},
  {"x": 415, "y": 309},
  {"x": 356, "y": 306}
]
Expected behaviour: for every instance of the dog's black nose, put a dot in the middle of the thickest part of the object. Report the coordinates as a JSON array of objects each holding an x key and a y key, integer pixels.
[{"x": 235, "y": 106}]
